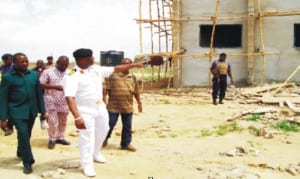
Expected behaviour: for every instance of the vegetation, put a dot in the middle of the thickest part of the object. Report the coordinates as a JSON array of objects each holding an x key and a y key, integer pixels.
[
  {"x": 166, "y": 101},
  {"x": 253, "y": 117},
  {"x": 285, "y": 126},
  {"x": 218, "y": 130},
  {"x": 226, "y": 128},
  {"x": 205, "y": 133}
]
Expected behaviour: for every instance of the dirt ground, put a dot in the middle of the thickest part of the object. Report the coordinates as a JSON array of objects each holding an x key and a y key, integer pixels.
[{"x": 175, "y": 137}]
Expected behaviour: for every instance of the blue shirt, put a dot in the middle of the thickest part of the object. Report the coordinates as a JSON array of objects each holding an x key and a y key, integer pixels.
[{"x": 5, "y": 68}]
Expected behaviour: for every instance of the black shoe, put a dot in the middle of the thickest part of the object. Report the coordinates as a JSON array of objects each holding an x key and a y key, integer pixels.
[
  {"x": 215, "y": 102},
  {"x": 62, "y": 141},
  {"x": 27, "y": 169},
  {"x": 129, "y": 148},
  {"x": 8, "y": 132},
  {"x": 51, "y": 144},
  {"x": 19, "y": 155},
  {"x": 221, "y": 101},
  {"x": 105, "y": 143}
]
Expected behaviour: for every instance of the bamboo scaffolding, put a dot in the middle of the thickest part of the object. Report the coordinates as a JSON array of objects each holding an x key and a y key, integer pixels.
[
  {"x": 190, "y": 19},
  {"x": 171, "y": 71},
  {"x": 175, "y": 20},
  {"x": 159, "y": 32},
  {"x": 151, "y": 25},
  {"x": 287, "y": 80},
  {"x": 228, "y": 54},
  {"x": 282, "y": 13},
  {"x": 250, "y": 42},
  {"x": 165, "y": 26},
  {"x": 214, "y": 19},
  {"x": 241, "y": 17},
  {"x": 261, "y": 35},
  {"x": 141, "y": 41}
]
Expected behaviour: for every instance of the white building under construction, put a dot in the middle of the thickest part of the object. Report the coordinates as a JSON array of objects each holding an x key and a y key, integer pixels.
[{"x": 261, "y": 37}]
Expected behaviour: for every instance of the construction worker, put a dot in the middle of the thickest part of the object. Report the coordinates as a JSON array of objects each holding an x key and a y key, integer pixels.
[{"x": 220, "y": 69}]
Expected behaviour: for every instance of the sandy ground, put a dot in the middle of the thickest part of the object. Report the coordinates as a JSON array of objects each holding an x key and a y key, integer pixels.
[{"x": 169, "y": 144}]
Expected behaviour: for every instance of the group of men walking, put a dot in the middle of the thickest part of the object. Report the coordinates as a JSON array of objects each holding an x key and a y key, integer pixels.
[{"x": 56, "y": 91}]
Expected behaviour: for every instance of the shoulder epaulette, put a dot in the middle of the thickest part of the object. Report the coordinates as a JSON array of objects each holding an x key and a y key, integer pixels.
[{"x": 72, "y": 72}]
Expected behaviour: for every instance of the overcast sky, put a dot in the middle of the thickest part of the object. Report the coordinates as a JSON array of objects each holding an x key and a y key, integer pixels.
[{"x": 40, "y": 28}]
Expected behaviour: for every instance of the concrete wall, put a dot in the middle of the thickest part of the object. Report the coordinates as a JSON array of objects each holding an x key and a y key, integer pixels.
[{"x": 278, "y": 37}]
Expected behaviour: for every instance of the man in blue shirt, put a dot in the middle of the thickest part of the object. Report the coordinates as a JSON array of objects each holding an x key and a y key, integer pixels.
[
  {"x": 7, "y": 67},
  {"x": 220, "y": 69}
]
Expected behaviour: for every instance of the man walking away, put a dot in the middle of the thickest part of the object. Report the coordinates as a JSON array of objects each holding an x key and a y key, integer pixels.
[{"x": 220, "y": 69}]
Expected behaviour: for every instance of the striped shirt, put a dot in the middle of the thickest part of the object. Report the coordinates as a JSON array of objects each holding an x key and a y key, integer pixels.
[{"x": 121, "y": 89}]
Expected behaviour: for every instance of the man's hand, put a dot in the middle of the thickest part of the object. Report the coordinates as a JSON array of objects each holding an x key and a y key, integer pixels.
[
  {"x": 45, "y": 116},
  {"x": 59, "y": 88},
  {"x": 139, "y": 64},
  {"x": 231, "y": 81},
  {"x": 140, "y": 107},
  {"x": 4, "y": 125},
  {"x": 79, "y": 123}
]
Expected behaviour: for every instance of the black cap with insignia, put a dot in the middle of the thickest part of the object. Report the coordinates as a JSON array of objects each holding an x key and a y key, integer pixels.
[{"x": 82, "y": 53}]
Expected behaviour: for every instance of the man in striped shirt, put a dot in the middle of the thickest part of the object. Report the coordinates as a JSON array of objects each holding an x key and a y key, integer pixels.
[{"x": 121, "y": 88}]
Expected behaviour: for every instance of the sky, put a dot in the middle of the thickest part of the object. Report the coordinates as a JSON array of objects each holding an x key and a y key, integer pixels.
[{"x": 40, "y": 28}]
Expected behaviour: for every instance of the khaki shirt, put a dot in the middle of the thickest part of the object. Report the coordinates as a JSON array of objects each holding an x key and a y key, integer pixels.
[{"x": 121, "y": 89}]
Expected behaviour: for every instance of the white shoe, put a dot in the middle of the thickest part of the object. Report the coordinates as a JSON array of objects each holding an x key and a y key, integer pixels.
[
  {"x": 44, "y": 124},
  {"x": 89, "y": 172},
  {"x": 99, "y": 158}
]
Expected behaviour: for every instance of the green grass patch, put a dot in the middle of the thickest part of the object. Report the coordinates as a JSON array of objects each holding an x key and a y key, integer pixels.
[
  {"x": 253, "y": 117},
  {"x": 173, "y": 134},
  {"x": 226, "y": 128},
  {"x": 218, "y": 130},
  {"x": 205, "y": 133},
  {"x": 285, "y": 126},
  {"x": 166, "y": 101}
]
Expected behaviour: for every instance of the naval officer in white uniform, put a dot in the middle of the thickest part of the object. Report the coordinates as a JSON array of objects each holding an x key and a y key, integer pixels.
[{"x": 83, "y": 91}]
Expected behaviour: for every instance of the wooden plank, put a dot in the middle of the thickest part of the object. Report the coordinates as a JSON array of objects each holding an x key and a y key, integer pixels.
[
  {"x": 269, "y": 99},
  {"x": 265, "y": 88},
  {"x": 292, "y": 106},
  {"x": 288, "y": 79},
  {"x": 251, "y": 111}
]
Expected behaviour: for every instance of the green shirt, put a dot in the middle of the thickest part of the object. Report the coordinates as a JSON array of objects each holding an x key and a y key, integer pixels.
[{"x": 21, "y": 96}]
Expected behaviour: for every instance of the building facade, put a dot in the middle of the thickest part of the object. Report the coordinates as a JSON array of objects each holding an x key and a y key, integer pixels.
[{"x": 261, "y": 39}]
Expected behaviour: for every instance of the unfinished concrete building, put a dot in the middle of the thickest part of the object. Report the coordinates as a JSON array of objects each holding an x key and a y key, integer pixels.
[{"x": 261, "y": 38}]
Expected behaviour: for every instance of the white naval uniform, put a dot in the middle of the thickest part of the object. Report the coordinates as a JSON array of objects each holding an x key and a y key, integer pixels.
[{"x": 86, "y": 86}]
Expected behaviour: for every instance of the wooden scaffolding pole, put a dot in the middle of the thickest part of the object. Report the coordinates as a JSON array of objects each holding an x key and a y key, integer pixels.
[
  {"x": 159, "y": 29},
  {"x": 211, "y": 52},
  {"x": 141, "y": 41},
  {"x": 261, "y": 35},
  {"x": 151, "y": 25},
  {"x": 165, "y": 25},
  {"x": 140, "y": 28},
  {"x": 168, "y": 5},
  {"x": 176, "y": 32},
  {"x": 250, "y": 42},
  {"x": 287, "y": 80}
]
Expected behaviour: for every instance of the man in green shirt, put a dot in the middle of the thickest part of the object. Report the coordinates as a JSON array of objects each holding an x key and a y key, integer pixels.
[{"x": 21, "y": 100}]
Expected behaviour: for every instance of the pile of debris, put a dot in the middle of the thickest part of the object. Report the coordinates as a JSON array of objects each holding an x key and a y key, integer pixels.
[{"x": 270, "y": 94}]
